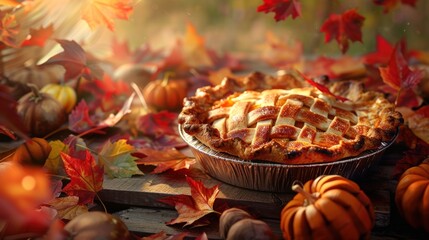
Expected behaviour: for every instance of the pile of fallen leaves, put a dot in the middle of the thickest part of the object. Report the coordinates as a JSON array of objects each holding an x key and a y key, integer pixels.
[{"x": 111, "y": 133}]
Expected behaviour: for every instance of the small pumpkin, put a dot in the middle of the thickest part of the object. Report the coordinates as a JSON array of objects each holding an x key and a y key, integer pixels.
[
  {"x": 40, "y": 112},
  {"x": 34, "y": 152},
  {"x": 235, "y": 223},
  {"x": 412, "y": 196},
  {"x": 66, "y": 95},
  {"x": 166, "y": 93},
  {"x": 328, "y": 207}
]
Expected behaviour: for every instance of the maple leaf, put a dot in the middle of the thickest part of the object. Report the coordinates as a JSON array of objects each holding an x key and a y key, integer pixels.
[
  {"x": 164, "y": 159},
  {"x": 86, "y": 177},
  {"x": 194, "y": 51},
  {"x": 9, "y": 117},
  {"x": 79, "y": 119},
  {"x": 75, "y": 61},
  {"x": 382, "y": 54},
  {"x": 106, "y": 92},
  {"x": 104, "y": 12},
  {"x": 281, "y": 8},
  {"x": 194, "y": 207},
  {"x": 158, "y": 124},
  {"x": 398, "y": 75},
  {"x": 390, "y": 4},
  {"x": 117, "y": 159},
  {"x": 23, "y": 190},
  {"x": 38, "y": 37},
  {"x": 343, "y": 28},
  {"x": 68, "y": 207}
]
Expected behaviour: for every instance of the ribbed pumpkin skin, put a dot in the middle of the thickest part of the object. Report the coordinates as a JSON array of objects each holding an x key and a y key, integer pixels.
[
  {"x": 412, "y": 196},
  {"x": 165, "y": 95},
  {"x": 338, "y": 210},
  {"x": 32, "y": 152},
  {"x": 63, "y": 94},
  {"x": 41, "y": 114}
]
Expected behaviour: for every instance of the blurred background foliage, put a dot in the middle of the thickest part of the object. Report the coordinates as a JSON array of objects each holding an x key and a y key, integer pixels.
[{"x": 236, "y": 26}]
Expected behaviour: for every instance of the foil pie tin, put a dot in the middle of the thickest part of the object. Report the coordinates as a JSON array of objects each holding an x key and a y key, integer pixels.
[{"x": 275, "y": 177}]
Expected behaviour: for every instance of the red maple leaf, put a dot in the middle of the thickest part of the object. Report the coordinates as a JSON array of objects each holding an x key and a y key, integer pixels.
[
  {"x": 158, "y": 124},
  {"x": 194, "y": 207},
  {"x": 86, "y": 177},
  {"x": 390, "y": 4},
  {"x": 382, "y": 54},
  {"x": 164, "y": 159},
  {"x": 79, "y": 119},
  {"x": 105, "y": 92},
  {"x": 281, "y": 8},
  {"x": 38, "y": 37},
  {"x": 81, "y": 122},
  {"x": 75, "y": 61},
  {"x": 397, "y": 74},
  {"x": 343, "y": 28}
]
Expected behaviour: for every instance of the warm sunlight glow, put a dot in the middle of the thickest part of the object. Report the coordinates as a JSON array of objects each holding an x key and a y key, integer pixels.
[{"x": 28, "y": 183}]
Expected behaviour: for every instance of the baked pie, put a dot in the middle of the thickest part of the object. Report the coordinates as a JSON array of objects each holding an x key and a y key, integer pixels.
[{"x": 285, "y": 120}]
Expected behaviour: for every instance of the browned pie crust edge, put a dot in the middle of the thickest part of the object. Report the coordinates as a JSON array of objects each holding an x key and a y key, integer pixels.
[{"x": 194, "y": 114}]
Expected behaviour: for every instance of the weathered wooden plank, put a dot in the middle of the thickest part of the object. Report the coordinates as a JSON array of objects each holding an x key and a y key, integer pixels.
[
  {"x": 147, "y": 221},
  {"x": 147, "y": 189}
]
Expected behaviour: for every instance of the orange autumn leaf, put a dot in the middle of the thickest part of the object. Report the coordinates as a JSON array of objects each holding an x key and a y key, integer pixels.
[
  {"x": 86, "y": 177},
  {"x": 23, "y": 190},
  {"x": 194, "y": 50},
  {"x": 163, "y": 159},
  {"x": 194, "y": 207},
  {"x": 104, "y": 12}
]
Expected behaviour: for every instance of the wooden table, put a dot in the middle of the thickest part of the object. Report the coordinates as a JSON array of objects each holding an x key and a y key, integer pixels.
[{"x": 136, "y": 201}]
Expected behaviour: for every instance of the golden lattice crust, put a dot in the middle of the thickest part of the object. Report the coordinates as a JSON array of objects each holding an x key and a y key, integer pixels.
[{"x": 282, "y": 119}]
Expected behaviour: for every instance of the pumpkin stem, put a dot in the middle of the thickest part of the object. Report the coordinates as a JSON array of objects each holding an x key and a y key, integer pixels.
[
  {"x": 166, "y": 78},
  {"x": 310, "y": 197},
  {"x": 33, "y": 87}
]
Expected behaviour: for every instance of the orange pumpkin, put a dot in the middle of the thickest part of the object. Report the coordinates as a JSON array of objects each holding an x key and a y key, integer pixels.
[
  {"x": 66, "y": 95},
  {"x": 32, "y": 152},
  {"x": 165, "y": 94},
  {"x": 328, "y": 207},
  {"x": 412, "y": 196}
]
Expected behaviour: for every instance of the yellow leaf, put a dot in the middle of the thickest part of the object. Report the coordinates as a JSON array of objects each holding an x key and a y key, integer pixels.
[
  {"x": 11, "y": 3},
  {"x": 117, "y": 160},
  {"x": 68, "y": 207},
  {"x": 54, "y": 164},
  {"x": 104, "y": 12}
]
